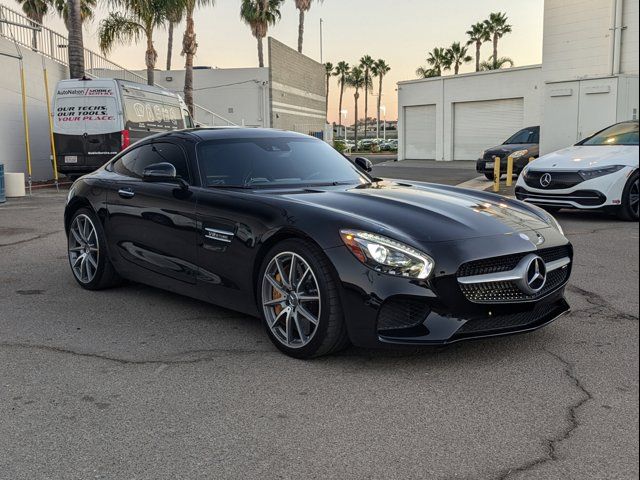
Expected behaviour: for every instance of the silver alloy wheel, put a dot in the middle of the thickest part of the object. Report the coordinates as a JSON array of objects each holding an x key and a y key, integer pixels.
[
  {"x": 83, "y": 248},
  {"x": 634, "y": 198},
  {"x": 291, "y": 299}
]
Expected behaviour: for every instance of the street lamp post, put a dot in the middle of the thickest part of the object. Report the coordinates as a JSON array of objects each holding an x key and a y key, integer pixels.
[
  {"x": 384, "y": 111},
  {"x": 344, "y": 114}
]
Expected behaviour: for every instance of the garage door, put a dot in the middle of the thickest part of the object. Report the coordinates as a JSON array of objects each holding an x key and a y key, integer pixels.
[
  {"x": 481, "y": 125},
  {"x": 420, "y": 132}
]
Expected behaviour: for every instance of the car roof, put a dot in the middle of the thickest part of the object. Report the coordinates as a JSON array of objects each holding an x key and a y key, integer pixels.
[{"x": 215, "y": 133}]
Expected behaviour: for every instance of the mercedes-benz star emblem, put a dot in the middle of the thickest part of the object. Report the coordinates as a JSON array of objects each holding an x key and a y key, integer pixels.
[
  {"x": 534, "y": 275},
  {"x": 545, "y": 180}
]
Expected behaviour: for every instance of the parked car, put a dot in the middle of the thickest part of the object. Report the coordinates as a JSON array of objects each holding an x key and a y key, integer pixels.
[
  {"x": 280, "y": 225},
  {"x": 365, "y": 144},
  {"x": 522, "y": 145},
  {"x": 601, "y": 171},
  {"x": 96, "y": 119}
]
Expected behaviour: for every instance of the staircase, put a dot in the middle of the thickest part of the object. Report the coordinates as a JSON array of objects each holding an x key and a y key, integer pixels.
[{"x": 26, "y": 33}]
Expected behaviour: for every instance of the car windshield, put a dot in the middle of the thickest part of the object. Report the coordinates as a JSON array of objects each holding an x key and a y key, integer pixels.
[
  {"x": 272, "y": 162},
  {"x": 621, "y": 134},
  {"x": 526, "y": 135}
]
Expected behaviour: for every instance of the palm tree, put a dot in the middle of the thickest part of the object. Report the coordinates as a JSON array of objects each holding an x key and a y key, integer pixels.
[
  {"x": 366, "y": 64},
  {"x": 35, "y": 10},
  {"x": 86, "y": 10},
  {"x": 304, "y": 6},
  {"x": 380, "y": 69},
  {"x": 426, "y": 72},
  {"x": 493, "y": 65},
  {"x": 259, "y": 15},
  {"x": 75, "y": 48},
  {"x": 328, "y": 71},
  {"x": 478, "y": 34},
  {"x": 497, "y": 27},
  {"x": 189, "y": 48},
  {"x": 138, "y": 18},
  {"x": 457, "y": 55},
  {"x": 438, "y": 61},
  {"x": 342, "y": 72},
  {"x": 174, "y": 17},
  {"x": 356, "y": 80}
]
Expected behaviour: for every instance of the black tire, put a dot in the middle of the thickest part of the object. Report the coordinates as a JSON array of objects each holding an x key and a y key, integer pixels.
[
  {"x": 628, "y": 211},
  {"x": 330, "y": 335},
  {"x": 105, "y": 275},
  {"x": 489, "y": 176}
]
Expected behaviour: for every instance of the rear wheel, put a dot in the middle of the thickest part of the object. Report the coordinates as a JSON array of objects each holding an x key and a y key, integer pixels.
[
  {"x": 629, "y": 210},
  {"x": 299, "y": 300},
  {"x": 86, "y": 247},
  {"x": 489, "y": 176}
]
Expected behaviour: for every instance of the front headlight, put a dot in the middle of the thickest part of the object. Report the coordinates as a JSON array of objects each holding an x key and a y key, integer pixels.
[
  {"x": 387, "y": 256},
  {"x": 519, "y": 153},
  {"x": 599, "y": 172}
]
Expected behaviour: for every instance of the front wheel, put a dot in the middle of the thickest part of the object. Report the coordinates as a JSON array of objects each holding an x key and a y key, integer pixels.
[
  {"x": 299, "y": 301},
  {"x": 629, "y": 210}
]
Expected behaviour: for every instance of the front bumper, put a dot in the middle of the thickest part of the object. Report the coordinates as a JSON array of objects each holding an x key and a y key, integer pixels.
[
  {"x": 438, "y": 311},
  {"x": 605, "y": 191}
]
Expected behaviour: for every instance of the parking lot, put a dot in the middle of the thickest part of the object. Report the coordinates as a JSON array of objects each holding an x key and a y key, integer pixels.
[{"x": 139, "y": 383}]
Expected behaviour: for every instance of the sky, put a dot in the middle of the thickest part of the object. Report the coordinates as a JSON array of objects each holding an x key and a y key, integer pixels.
[{"x": 401, "y": 32}]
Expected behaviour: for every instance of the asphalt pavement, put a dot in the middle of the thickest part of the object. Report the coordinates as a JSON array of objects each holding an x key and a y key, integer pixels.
[{"x": 137, "y": 383}]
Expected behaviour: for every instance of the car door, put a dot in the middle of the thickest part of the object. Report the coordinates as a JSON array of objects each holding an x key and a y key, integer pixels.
[{"x": 152, "y": 225}]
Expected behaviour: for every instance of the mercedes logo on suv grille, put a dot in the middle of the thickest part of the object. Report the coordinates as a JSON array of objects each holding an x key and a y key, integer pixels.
[
  {"x": 534, "y": 274},
  {"x": 545, "y": 180}
]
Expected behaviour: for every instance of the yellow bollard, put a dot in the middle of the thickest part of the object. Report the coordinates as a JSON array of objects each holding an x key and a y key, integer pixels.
[
  {"x": 509, "y": 171},
  {"x": 25, "y": 118},
  {"x": 496, "y": 174},
  {"x": 51, "y": 139}
]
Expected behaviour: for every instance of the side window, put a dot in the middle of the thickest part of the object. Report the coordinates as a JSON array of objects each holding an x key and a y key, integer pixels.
[
  {"x": 125, "y": 165},
  {"x": 173, "y": 154}
]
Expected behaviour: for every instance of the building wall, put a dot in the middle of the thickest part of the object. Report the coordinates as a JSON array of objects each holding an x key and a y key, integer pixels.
[
  {"x": 578, "y": 38},
  {"x": 12, "y": 143},
  {"x": 297, "y": 90},
  {"x": 237, "y": 94},
  {"x": 444, "y": 92}
]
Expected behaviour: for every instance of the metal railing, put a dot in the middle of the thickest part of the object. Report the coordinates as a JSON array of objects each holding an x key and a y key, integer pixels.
[{"x": 30, "y": 34}]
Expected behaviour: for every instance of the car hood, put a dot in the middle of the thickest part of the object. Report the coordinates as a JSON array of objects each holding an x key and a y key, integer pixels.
[
  {"x": 425, "y": 212},
  {"x": 581, "y": 157},
  {"x": 506, "y": 149}
]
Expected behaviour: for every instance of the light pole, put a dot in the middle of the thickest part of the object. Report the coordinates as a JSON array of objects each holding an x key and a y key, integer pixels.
[
  {"x": 384, "y": 112},
  {"x": 344, "y": 114}
]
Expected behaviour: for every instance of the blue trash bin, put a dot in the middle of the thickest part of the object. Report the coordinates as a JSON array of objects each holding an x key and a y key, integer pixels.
[{"x": 3, "y": 197}]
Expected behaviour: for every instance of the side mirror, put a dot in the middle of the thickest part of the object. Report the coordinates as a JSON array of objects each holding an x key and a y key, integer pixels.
[
  {"x": 162, "y": 172},
  {"x": 363, "y": 163}
]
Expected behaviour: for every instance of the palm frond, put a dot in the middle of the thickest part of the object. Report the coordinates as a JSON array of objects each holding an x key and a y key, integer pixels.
[{"x": 118, "y": 28}]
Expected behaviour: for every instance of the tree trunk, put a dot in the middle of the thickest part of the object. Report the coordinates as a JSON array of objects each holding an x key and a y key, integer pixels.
[
  {"x": 379, "y": 104},
  {"x": 495, "y": 51},
  {"x": 478, "y": 46},
  {"x": 260, "y": 53},
  {"x": 326, "y": 103},
  {"x": 75, "y": 48},
  {"x": 170, "y": 46},
  {"x": 34, "y": 36},
  {"x": 341, "y": 97},
  {"x": 456, "y": 68},
  {"x": 356, "y": 96},
  {"x": 150, "y": 58},
  {"x": 300, "y": 31},
  {"x": 366, "y": 106},
  {"x": 189, "y": 47}
]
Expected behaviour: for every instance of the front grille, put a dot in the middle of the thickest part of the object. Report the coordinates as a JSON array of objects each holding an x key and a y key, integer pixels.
[
  {"x": 402, "y": 312},
  {"x": 559, "y": 180},
  {"x": 587, "y": 198},
  {"x": 508, "y": 292},
  {"x": 538, "y": 315}
]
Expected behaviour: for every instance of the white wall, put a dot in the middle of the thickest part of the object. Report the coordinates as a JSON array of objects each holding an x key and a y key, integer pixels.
[
  {"x": 12, "y": 144},
  {"x": 444, "y": 92},
  {"x": 238, "y": 94},
  {"x": 578, "y": 42}
]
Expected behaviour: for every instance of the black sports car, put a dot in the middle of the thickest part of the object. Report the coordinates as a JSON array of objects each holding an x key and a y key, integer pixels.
[
  {"x": 279, "y": 225},
  {"x": 522, "y": 145}
]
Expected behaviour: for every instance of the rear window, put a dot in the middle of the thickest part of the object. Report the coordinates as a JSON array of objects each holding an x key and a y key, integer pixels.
[{"x": 621, "y": 134}]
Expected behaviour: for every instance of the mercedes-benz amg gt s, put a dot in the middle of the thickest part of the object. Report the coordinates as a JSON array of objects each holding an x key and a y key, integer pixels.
[{"x": 281, "y": 226}]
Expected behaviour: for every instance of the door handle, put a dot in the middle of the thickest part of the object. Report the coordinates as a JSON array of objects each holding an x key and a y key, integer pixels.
[{"x": 126, "y": 193}]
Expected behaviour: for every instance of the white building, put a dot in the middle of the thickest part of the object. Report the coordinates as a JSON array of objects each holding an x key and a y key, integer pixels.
[{"x": 588, "y": 79}]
